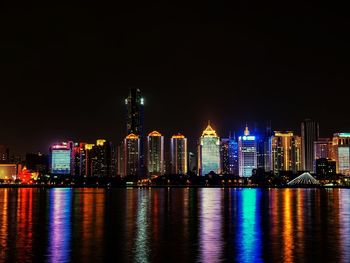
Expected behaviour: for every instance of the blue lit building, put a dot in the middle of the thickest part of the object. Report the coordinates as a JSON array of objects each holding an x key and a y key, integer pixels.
[
  {"x": 233, "y": 156},
  {"x": 209, "y": 152},
  {"x": 247, "y": 154},
  {"x": 61, "y": 158}
]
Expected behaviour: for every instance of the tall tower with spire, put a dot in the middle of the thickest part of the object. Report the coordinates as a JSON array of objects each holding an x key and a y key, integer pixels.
[
  {"x": 247, "y": 153},
  {"x": 209, "y": 152}
]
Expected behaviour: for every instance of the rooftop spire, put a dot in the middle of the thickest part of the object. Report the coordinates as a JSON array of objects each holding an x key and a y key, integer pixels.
[{"x": 246, "y": 131}]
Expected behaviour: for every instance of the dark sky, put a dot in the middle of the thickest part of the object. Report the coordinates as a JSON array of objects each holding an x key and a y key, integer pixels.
[{"x": 66, "y": 68}]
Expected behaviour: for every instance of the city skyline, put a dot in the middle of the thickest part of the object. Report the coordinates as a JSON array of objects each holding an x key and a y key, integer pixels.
[{"x": 226, "y": 62}]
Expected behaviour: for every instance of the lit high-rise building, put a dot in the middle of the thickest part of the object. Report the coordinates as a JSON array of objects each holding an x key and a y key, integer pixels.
[
  {"x": 135, "y": 120},
  {"x": 155, "y": 154},
  {"x": 323, "y": 148},
  {"x": 132, "y": 155},
  {"x": 233, "y": 156},
  {"x": 225, "y": 155},
  {"x": 178, "y": 148},
  {"x": 101, "y": 158},
  {"x": 134, "y": 105},
  {"x": 85, "y": 159},
  {"x": 61, "y": 159},
  {"x": 309, "y": 134},
  {"x": 341, "y": 152},
  {"x": 285, "y": 152},
  {"x": 247, "y": 154},
  {"x": 209, "y": 152}
]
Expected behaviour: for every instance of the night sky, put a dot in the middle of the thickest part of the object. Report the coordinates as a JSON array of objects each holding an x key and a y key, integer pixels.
[{"x": 66, "y": 68}]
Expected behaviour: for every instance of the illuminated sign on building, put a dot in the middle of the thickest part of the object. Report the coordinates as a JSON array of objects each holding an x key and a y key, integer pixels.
[{"x": 61, "y": 159}]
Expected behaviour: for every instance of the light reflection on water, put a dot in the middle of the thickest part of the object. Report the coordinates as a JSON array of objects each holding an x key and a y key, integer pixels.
[
  {"x": 174, "y": 225},
  {"x": 60, "y": 236}
]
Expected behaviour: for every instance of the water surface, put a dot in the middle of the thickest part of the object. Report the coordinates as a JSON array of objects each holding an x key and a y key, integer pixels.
[{"x": 174, "y": 225}]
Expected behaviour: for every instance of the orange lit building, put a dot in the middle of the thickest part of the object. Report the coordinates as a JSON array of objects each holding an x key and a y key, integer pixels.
[{"x": 178, "y": 147}]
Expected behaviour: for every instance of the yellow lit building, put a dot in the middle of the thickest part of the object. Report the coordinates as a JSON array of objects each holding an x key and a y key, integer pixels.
[
  {"x": 209, "y": 152},
  {"x": 155, "y": 154},
  {"x": 286, "y": 152},
  {"x": 341, "y": 152},
  {"x": 132, "y": 155}
]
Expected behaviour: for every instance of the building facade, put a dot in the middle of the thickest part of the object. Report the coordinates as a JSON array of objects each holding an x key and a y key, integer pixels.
[
  {"x": 233, "y": 156},
  {"x": 155, "y": 154},
  {"x": 285, "y": 152},
  {"x": 247, "y": 154},
  {"x": 323, "y": 148},
  {"x": 209, "y": 152},
  {"x": 132, "y": 155},
  {"x": 341, "y": 152},
  {"x": 61, "y": 158},
  {"x": 225, "y": 155},
  {"x": 178, "y": 154},
  {"x": 309, "y": 134}
]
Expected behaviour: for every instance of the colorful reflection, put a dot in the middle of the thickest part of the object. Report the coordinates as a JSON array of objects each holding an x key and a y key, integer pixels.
[
  {"x": 176, "y": 225},
  {"x": 60, "y": 235},
  {"x": 249, "y": 235},
  {"x": 210, "y": 233},
  {"x": 344, "y": 198},
  {"x": 4, "y": 203}
]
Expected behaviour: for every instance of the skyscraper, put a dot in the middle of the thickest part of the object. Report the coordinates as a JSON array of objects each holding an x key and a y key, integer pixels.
[
  {"x": 61, "y": 159},
  {"x": 323, "y": 148},
  {"x": 225, "y": 155},
  {"x": 233, "y": 155},
  {"x": 155, "y": 154},
  {"x": 178, "y": 148},
  {"x": 135, "y": 114},
  {"x": 135, "y": 120},
  {"x": 247, "y": 154},
  {"x": 101, "y": 158},
  {"x": 285, "y": 152},
  {"x": 309, "y": 134},
  {"x": 341, "y": 153},
  {"x": 209, "y": 152},
  {"x": 132, "y": 155}
]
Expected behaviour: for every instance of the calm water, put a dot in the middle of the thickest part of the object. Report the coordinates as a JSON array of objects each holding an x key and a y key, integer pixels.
[{"x": 174, "y": 225}]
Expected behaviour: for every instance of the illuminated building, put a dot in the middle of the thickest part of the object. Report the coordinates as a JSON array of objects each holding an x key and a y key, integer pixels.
[
  {"x": 209, "y": 152},
  {"x": 60, "y": 159},
  {"x": 4, "y": 153},
  {"x": 85, "y": 159},
  {"x": 225, "y": 156},
  {"x": 134, "y": 106},
  {"x": 155, "y": 154},
  {"x": 8, "y": 171},
  {"x": 135, "y": 120},
  {"x": 325, "y": 167},
  {"x": 101, "y": 158},
  {"x": 341, "y": 152},
  {"x": 285, "y": 152},
  {"x": 323, "y": 148},
  {"x": 132, "y": 155},
  {"x": 247, "y": 154},
  {"x": 233, "y": 156},
  {"x": 178, "y": 148},
  {"x": 78, "y": 147},
  {"x": 309, "y": 134}
]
